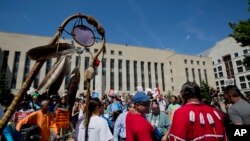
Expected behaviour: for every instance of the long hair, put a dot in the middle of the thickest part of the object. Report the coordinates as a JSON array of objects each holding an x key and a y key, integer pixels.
[
  {"x": 190, "y": 90},
  {"x": 94, "y": 104}
]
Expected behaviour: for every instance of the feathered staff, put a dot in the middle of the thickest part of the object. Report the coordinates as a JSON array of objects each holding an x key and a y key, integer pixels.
[{"x": 39, "y": 63}]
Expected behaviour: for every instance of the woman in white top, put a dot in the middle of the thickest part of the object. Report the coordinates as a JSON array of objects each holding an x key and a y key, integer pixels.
[{"x": 98, "y": 129}]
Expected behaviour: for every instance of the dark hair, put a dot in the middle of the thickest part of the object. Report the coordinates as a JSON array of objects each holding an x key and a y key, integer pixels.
[
  {"x": 93, "y": 104},
  {"x": 154, "y": 102},
  {"x": 234, "y": 90},
  {"x": 190, "y": 90},
  {"x": 131, "y": 104}
]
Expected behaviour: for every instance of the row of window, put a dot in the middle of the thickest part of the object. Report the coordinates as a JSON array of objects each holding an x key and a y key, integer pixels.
[
  {"x": 236, "y": 54},
  {"x": 193, "y": 74},
  {"x": 112, "y": 52},
  {"x": 86, "y": 64},
  {"x": 192, "y": 62}
]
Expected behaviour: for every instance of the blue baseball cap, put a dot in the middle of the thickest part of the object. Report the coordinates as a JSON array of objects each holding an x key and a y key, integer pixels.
[{"x": 140, "y": 97}]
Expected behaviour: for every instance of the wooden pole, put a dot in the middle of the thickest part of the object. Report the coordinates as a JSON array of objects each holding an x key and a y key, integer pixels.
[{"x": 32, "y": 74}]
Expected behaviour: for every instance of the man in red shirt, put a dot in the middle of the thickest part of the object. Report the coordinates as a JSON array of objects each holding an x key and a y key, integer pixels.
[
  {"x": 137, "y": 126},
  {"x": 194, "y": 120}
]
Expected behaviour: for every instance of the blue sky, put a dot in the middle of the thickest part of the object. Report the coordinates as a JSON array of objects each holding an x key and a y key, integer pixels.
[{"x": 184, "y": 26}]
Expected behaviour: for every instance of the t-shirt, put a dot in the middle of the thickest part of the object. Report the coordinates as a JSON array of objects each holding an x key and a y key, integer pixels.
[
  {"x": 98, "y": 130},
  {"x": 171, "y": 109},
  {"x": 138, "y": 128},
  {"x": 161, "y": 121},
  {"x": 240, "y": 112},
  {"x": 197, "y": 122}
]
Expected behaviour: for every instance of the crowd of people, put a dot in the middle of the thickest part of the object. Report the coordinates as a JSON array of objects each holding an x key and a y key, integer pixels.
[{"x": 134, "y": 117}]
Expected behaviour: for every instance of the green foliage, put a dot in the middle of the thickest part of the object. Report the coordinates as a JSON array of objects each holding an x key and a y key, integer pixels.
[
  {"x": 205, "y": 90},
  {"x": 4, "y": 90},
  {"x": 241, "y": 33}
]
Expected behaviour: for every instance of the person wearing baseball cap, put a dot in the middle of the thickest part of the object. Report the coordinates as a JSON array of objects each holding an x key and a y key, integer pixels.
[{"x": 137, "y": 126}]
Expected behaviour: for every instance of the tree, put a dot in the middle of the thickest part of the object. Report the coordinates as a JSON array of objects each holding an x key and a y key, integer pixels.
[
  {"x": 241, "y": 33},
  {"x": 205, "y": 91}
]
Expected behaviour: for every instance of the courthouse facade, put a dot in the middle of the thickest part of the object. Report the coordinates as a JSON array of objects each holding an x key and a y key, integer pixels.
[
  {"x": 227, "y": 59},
  {"x": 122, "y": 67}
]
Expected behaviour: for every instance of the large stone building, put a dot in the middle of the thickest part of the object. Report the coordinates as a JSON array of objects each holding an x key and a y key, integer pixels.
[
  {"x": 123, "y": 67},
  {"x": 227, "y": 58}
]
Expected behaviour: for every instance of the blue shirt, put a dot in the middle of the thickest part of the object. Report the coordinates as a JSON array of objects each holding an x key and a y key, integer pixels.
[{"x": 120, "y": 126}]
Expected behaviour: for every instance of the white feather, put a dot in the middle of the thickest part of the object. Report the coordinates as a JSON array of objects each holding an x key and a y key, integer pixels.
[
  {"x": 210, "y": 119},
  {"x": 191, "y": 116},
  {"x": 53, "y": 74},
  {"x": 217, "y": 115},
  {"x": 202, "y": 121}
]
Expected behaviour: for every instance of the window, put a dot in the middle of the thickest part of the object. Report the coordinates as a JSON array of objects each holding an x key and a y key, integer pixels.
[
  {"x": 222, "y": 83},
  {"x": 104, "y": 74},
  {"x": 215, "y": 75},
  {"x": 149, "y": 75},
  {"x": 205, "y": 73},
  {"x": 26, "y": 67},
  {"x": 204, "y": 63},
  {"x": 236, "y": 54},
  {"x": 213, "y": 62},
  {"x": 128, "y": 74},
  {"x": 187, "y": 75},
  {"x": 112, "y": 52},
  {"x": 185, "y": 61},
  {"x": 170, "y": 63},
  {"x": 135, "y": 75},
  {"x": 171, "y": 71},
  {"x": 247, "y": 68},
  {"x": 172, "y": 79},
  {"x": 78, "y": 61},
  {"x": 156, "y": 75},
  {"x": 192, "y": 62},
  {"x": 112, "y": 73},
  {"x": 142, "y": 75},
  {"x": 95, "y": 50},
  {"x": 199, "y": 72},
  {"x": 240, "y": 69},
  {"x": 228, "y": 66},
  {"x": 67, "y": 77},
  {"x": 120, "y": 53},
  {"x": 239, "y": 63},
  {"x": 242, "y": 79},
  {"x": 120, "y": 74},
  {"x": 215, "y": 70},
  {"x": 193, "y": 73},
  {"x": 243, "y": 86},
  {"x": 219, "y": 61},
  {"x": 220, "y": 74},
  {"x": 245, "y": 51},
  {"x": 163, "y": 78},
  {"x": 217, "y": 83},
  {"x": 15, "y": 69},
  {"x": 220, "y": 68},
  {"x": 5, "y": 61},
  {"x": 172, "y": 88},
  {"x": 198, "y": 62},
  {"x": 86, "y": 65}
]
